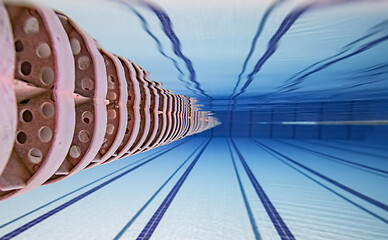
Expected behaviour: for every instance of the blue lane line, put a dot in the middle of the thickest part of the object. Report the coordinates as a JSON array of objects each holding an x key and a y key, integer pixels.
[
  {"x": 43, "y": 217},
  {"x": 336, "y": 158},
  {"x": 245, "y": 198},
  {"x": 348, "y": 150},
  {"x": 324, "y": 186},
  {"x": 125, "y": 228},
  {"x": 83, "y": 187},
  {"x": 146, "y": 233},
  {"x": 340, "y": 185},
  {"x": 279, "y": 224}
]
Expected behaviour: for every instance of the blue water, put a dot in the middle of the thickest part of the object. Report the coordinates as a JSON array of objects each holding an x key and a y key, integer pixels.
[{"x": 301, "y": 90}]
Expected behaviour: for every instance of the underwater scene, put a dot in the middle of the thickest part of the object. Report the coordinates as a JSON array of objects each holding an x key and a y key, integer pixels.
[{"x": 294, "y": 96}]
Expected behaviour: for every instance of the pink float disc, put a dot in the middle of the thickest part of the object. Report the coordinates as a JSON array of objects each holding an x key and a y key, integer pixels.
[
  {"x": 154, "y": 120},
  {"x": 145, "y": 104},
  {"x": 90, "y": 106},
  {"x": 117, "y": 107},
  {"x": 46, "y": 110},
  {"x": 162, "y": 117},
  {"x": 134, "y": 117},
  {"x": 8, "y": 115}
]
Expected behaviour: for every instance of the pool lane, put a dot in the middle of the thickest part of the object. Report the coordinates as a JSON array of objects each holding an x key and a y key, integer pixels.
[
  {"x": 349, "y": 154},
  {"x": 350, "y": 190},
  {"x": 279, "y": 224},
  {"x": 148, "y": 230},
  {"x": 58, "y": 197},
  {"x": 361, "y": 184},
  {"x": 106, "y": 207},
  {"x": 347, "y": 149},
  {"x": 367, "y": 146},
  {"x": 310, "y": 210},
  {"x": 139, "y": 212},
  {"x": 209, "y": 204},
  {"x": 248, "y": 207},
  {"x": 364, "y": 167}
]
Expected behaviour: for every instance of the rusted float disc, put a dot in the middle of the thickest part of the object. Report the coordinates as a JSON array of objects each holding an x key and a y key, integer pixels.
[
  {"x": 44, "y": 73},
  {"x": 117, "y": 98},
  {"x": 161, "y": 115},
  {"x": 145, "y": 104},
  {"x": 168, "y": 117},
  {"x": 178, "y": 120},
  {"x": 90, "y": 105},
  {"x": 117, "y": 107},
  {"x": 153, "y": 111},
  {"x": 185, "y": 116},
  {"x": 8, "y": 107},
  {"x": 133, "y": 107}
]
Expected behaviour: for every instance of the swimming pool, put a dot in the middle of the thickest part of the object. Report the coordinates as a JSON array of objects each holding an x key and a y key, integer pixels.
[{"x": 301, "y": 90}]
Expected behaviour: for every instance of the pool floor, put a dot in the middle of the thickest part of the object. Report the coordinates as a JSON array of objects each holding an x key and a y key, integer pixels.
[{"x": 216, "y": 188}]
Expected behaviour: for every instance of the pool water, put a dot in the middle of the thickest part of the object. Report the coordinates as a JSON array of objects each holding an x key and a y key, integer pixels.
[{"x": 301, "y": 90}]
